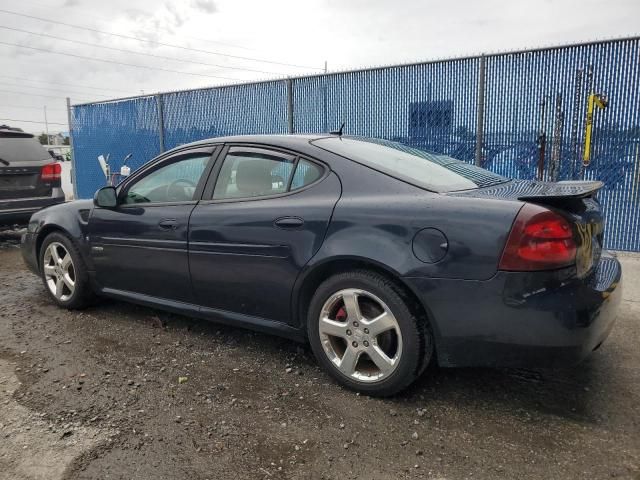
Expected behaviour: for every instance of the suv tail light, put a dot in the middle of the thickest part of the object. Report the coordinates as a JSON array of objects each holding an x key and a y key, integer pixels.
[
  {"x": 540, "y": 239},
  {"x": 51, "y": 172}
]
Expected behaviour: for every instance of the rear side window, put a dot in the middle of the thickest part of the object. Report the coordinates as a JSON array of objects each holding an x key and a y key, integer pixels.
[
  {"x": 253, "y": 174},
  {"x": 306, "y": 173}
]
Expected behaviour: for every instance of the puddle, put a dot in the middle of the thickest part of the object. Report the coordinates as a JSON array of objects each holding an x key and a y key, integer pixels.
[{"x": 29, "y": 449}]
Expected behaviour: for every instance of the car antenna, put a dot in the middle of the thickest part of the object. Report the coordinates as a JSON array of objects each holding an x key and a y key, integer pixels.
[{"x": 338, "y": 132}]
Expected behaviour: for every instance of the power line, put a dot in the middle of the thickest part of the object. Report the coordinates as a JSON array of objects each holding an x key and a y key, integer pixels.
[
  {"x": 115, "y": 62},
  {"x": 33, "y": 108},
  {"x": 84, "y": 14},
  {"x": 156, "y": 42},
  {"x": 136, "y": 53},
  {"x": 206, "y": 40},
  {"x": 29, "y": 121},
  {"x": 53, "y": 89},
  {"x": 58, "y": 97},
  {"x": 65, "y": 84}
]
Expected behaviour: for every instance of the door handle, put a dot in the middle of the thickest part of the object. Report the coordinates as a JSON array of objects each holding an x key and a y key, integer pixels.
[
  {"x": 168, "y": 224},
  {"x": 289, "y": 222}
]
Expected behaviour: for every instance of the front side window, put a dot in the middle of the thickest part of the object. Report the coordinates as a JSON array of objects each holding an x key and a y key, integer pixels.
[
  {"x": 253, "y": 174},
  {"x": 175, "y": 182}
]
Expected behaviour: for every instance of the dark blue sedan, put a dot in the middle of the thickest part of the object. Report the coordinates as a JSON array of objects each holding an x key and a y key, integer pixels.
[{"x": 384, "y": 257}]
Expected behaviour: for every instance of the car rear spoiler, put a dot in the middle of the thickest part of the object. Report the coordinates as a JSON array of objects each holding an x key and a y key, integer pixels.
[{"x": 558, "y": 190}]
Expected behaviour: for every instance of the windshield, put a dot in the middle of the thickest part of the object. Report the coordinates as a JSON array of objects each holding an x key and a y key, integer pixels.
[{"x": 438, "y": 173}]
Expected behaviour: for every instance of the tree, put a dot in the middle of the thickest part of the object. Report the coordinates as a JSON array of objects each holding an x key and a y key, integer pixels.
[{"x": 44, "y": 140}]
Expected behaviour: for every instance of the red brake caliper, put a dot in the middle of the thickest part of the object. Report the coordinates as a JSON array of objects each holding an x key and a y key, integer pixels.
[{"x": 341, "y": 315}]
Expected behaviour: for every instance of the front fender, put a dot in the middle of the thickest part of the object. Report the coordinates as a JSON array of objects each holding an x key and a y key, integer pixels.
[{"x": 71, "y": 218}]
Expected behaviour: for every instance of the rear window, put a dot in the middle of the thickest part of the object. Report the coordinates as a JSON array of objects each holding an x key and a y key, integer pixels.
[
  {"x": 17, "y": 149},
  {"x": 438, "y": 173}
]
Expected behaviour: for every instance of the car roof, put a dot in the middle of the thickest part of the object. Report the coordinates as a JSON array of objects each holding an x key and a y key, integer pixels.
[
  {"x": 287, "y": 141},
  {"x": 7, "y": 131}
]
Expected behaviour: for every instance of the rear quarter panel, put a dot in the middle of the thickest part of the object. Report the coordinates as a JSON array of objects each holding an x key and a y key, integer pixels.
[{"x": 378, "y": 217}]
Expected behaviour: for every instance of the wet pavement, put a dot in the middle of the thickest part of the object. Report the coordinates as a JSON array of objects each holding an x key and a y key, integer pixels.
[{"x": 96, "y": 395}]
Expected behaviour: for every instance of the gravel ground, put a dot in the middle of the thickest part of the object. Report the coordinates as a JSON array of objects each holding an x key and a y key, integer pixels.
[{"x": 120, "y": 391}]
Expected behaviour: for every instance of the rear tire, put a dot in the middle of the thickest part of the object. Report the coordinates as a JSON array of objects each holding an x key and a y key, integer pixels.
[
  {"x": 64, "y": 273},
  {"x": 365, "y": 333}
]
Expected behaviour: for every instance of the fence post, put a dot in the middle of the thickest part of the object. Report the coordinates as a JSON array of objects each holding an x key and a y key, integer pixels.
[
  {"x": 575, "y": 120},
  {"x": 160, "y": 107},
  {"x": 74, "y": 177},
  {"x": 290, "y": 105},
  {"x": 482, "y": 73}
]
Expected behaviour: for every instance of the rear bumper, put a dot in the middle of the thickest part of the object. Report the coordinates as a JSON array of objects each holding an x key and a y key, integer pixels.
[
  {"x": 20, "y": 210},
  {"x": 517, "y": 319}
]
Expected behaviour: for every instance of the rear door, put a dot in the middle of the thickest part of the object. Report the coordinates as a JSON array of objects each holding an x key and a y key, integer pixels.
[
  {"x": 266, "y": 215},
  {"x": 21, "y": 161},
  {"x": 140, "y": 246}
]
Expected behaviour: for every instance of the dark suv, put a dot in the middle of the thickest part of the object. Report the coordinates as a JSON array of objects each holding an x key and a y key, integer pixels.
[{"x": 29, "y": 177}]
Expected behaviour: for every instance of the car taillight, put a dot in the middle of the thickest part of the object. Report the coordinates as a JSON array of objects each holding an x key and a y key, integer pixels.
[
  {"x": 540, "y": 239},
  {"x": 51, "y": 172}
]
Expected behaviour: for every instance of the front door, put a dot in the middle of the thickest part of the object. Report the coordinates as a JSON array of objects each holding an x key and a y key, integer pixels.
[
  {"x": 266, "y": 215},
  {"x": 140, "y": 246}
]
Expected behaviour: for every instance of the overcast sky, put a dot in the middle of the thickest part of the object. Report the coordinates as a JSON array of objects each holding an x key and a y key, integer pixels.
[{"x": 345, "y": 33}]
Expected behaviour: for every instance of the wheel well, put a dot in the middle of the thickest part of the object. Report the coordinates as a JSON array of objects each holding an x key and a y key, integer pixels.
[
  {"x": 328, "y": 269},
  {"x": 42, "y": 234}
]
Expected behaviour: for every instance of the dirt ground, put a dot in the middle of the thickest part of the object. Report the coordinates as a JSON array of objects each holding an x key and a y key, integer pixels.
[{"x": 98, "y": 394}]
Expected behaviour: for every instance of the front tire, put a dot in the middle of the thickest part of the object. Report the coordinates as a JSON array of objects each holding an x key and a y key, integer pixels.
[
  {"x": 64, "y": 273},
  {"x": 364, "y": 331}
]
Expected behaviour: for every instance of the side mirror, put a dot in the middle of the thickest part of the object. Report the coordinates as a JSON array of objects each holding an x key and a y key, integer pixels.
[{"x": 106, "y": 197}]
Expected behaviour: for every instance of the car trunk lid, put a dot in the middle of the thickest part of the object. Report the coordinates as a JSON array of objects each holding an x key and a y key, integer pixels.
[{"x": 575, "y": 200}]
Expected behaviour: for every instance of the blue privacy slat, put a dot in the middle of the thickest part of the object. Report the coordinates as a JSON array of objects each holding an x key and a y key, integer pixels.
[
  {"x": 234, "y": 110},
  {"x": 431, "y": 106},
  {"x": 390, "y": 103},
  {"x": 115, "y": 128},
  {"x": 522, "y": 79}
]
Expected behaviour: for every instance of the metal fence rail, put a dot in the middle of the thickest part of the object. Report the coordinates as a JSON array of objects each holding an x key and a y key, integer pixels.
[{"x": 499, "y": 111}]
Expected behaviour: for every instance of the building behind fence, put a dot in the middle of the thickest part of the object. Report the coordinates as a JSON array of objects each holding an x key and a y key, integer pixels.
[{"x": 492, "y": 110}]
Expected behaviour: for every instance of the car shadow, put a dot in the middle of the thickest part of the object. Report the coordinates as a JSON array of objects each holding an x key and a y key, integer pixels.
[{"x": 563, "y": 392}]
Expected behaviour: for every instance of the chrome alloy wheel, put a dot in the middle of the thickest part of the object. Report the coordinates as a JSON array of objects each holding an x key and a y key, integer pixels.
[
  {"x": 360, "y": 335},
  {"x": 59, "y": 272}
]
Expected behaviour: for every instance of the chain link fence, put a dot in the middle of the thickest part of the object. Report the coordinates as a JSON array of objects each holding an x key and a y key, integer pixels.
[{"x": 521, "y": 114}]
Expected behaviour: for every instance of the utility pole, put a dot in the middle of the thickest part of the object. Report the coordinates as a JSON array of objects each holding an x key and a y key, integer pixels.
[
  {"x": 325, "y": 66},
  {"x": 46, "y": 124}
]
